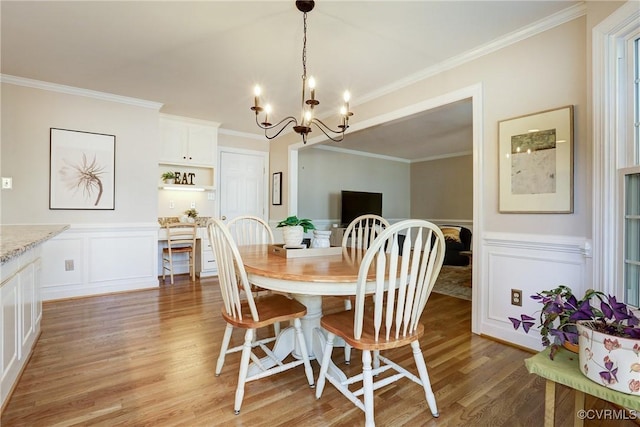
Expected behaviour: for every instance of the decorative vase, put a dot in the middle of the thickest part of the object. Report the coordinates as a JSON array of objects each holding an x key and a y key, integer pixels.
[
  {"x": 292, "y": 235},
  {"x": 611, "y": 361},
  {"x": 170, "y": 181},
  {"x": 183, "y": 218},
  {"x": 321, "y": 239},
  {"x": 573, "y": 348},
  {"x": 191, "y": 220}
]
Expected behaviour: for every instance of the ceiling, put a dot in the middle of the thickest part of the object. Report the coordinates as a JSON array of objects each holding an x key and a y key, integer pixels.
[{"x": 201, "y": 59}]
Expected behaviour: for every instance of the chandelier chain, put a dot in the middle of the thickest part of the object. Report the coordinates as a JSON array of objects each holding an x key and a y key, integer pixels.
[{"x": 304, "y": 48}]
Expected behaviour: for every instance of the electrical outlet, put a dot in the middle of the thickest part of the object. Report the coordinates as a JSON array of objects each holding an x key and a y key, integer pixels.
[
  {"x": 171, "y": 204},
  {"x": 516, "y": 297},
  {"x": 7, "y": 183},
  {"x": 193, "y": 205},
  {"x": 68, "y": 265},
  {"x": 211, "y": 196}
]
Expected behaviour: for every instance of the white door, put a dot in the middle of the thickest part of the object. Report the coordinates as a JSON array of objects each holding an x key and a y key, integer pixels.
[{"x": 243, "y": 184}]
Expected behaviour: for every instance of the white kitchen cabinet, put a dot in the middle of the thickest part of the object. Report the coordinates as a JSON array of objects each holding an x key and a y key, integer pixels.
[
  {"x": 21, "y": 312},
  {"x": 10, "y": 342},
  {"x": 187, "y": 141}
]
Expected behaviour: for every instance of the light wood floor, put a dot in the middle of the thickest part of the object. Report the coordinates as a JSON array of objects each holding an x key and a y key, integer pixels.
[{"x": 147, "y": 359}]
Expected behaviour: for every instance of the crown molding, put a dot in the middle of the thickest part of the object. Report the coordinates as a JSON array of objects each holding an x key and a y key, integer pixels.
[
  {"x": 70, "y": 90},
  {"x": 443, "y": 156},
  {"x": 360, "y": 153},
  {"x": 555, "y": 20}
]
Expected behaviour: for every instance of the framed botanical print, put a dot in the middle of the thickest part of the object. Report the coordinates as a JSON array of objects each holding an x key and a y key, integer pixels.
[
  {"x": 81, "y": 170},
  {"x": 536, "y": 162}
]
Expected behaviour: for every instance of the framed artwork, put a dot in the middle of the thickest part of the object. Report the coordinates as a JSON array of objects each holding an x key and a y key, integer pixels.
[
  {"x": 536, "y": 162},
  {"x": 276, "y": 189},
  {"x": 81, "y": 170}
]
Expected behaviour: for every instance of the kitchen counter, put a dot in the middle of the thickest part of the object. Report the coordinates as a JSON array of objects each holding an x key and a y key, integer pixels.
[
  {"x": 201, "y": 221},
  {"x": 18, "y": 239}
]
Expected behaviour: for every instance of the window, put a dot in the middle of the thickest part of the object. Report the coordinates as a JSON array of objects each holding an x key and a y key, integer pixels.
[
  {"x": 631, "y": 230},
  {"x": 630, "y": 187},
  {"x": 616, "y": 187}
]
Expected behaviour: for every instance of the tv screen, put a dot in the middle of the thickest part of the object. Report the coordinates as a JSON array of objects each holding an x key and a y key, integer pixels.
[{"x": 356, "y": 203}]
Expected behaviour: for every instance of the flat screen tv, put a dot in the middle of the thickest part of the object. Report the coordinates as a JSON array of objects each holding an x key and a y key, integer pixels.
[{"x": 356, "y": 203}]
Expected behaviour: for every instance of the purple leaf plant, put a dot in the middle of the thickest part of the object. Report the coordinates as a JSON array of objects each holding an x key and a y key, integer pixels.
[{"x": 561, "y": 310}]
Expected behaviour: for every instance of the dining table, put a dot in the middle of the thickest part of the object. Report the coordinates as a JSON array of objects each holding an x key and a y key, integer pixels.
[{"x": 307, "y": 279}]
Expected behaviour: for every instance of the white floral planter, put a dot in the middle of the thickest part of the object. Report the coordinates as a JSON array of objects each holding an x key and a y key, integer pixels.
[
  {"x": 292, "y": 235},
  {"x": 613, "y": 362}
]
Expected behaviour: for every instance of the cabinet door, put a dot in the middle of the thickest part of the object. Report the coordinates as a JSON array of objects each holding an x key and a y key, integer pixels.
[
  {"x": 38, "y": 289},
  {"x": 174, "y": 141},
  {"x": 28, "y": 304},
  {"x": 203, "y": 141},
  {"x": 10, "y": 351}
]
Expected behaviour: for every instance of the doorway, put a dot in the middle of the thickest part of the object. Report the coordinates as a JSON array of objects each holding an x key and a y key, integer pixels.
[
  {"x": 473, "y": 92},
  {"x": 243, "y": 183}
]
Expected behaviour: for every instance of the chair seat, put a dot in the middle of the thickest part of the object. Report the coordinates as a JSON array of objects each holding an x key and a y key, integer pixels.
[
  {"x": 272, "y": 308},
  {"x": 178, "y": 250},
  {"x": 341, "y": 324}
]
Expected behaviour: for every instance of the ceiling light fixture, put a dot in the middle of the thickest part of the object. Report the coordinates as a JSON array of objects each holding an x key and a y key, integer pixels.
[{"x": 303, "y": 127}]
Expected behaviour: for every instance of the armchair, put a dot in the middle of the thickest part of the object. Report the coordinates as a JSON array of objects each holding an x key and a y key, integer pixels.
[{"x": 457, "y": 239}]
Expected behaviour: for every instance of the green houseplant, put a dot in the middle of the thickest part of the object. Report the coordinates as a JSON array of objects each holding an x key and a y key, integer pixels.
[
  {"x": 168, "y": 177},
  {"x": 293, "y": 229}
]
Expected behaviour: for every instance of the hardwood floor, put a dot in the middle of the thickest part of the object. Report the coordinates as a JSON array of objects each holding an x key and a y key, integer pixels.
[{"x": 148, "y": 357}]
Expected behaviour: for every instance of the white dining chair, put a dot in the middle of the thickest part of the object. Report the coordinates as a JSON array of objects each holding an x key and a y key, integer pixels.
[
  {"x": 241, "y": 310},
  {"x": 391, "y": 319},
  {"x": 363, "y": 230},
  {"x": 181, "y": 239},
  {"x": 250, "y": 230},
  {"x": 360, "y": 234}
]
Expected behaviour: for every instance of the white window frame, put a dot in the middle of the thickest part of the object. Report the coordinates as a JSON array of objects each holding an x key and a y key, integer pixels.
[{"x": 612, "y": 124}]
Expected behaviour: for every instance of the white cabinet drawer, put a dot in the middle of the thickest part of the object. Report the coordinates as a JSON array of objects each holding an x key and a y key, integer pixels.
[
  {"x": 208, "y": 261},
  {"x": 206, "y": 264}
]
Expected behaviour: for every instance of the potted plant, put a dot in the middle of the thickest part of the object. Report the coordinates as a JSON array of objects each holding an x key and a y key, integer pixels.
[
  {"x": 293, "y": 229},
  {"x": 191, "y": 214},
  {"x": 558, "y": 316},
  {"x": 607, "y": 333},
  {"x": 168, "y": 177}
]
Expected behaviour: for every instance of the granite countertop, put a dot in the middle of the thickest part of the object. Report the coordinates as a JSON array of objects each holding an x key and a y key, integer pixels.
[
  {"x": 18, "y": 239},
  {"x": 201, "y": 221}
]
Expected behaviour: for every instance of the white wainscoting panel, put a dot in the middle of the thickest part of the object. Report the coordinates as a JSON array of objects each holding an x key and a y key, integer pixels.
[
  {"x": 530, "y": 263},
  {"x": 106, "y": 258}
]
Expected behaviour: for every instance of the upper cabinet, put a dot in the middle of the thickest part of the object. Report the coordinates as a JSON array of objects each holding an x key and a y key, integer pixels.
[{"x": 186, "y": 141}]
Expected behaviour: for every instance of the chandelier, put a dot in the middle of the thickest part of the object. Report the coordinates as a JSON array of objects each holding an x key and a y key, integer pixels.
[{"x": 303, "y": 127}]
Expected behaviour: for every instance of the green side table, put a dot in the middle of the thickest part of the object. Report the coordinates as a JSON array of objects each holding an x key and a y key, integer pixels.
[{"x": 565, "y": 370}]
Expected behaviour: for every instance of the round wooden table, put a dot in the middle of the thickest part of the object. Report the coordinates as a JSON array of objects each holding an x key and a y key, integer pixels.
[{"x": 307, "y": 279}]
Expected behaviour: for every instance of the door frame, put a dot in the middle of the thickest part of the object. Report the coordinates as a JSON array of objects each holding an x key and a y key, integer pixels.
[{"x": 474, "y": 92}]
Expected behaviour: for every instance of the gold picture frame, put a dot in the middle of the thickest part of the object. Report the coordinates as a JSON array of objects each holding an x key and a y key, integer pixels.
[{"x": 536, "y": 162}]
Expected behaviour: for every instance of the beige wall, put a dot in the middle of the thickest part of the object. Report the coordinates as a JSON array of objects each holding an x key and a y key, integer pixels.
[
  {"x": 227, "y": 139},
  {"x": 540, "y": 73},
  {"x": 322, "y": 174},
  {"x": 27, "y": 116},
  {"x": 442, "y": 189}
]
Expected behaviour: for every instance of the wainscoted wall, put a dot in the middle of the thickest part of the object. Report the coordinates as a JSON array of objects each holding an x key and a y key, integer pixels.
[
  {"x": 531, "y": 263},
  {"x": 106, "y": 258}
]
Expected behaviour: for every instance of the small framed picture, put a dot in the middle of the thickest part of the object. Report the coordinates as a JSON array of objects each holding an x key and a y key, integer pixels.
[
  {"x": 276, "y": 189},
  {"x": 536, "y": 162}
]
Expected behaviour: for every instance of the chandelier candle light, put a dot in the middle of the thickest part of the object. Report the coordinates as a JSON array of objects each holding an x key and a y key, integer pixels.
[{"x": 303, "y": 127}]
